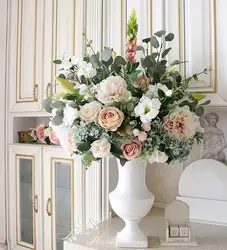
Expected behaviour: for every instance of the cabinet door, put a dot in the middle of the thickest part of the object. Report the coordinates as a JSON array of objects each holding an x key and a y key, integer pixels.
[
  {"x": 25, "y": 200},
  {"x": 25, "y": 55},
  {"x": 60, "y": 37},
  {"x": 62, "y": 197}
]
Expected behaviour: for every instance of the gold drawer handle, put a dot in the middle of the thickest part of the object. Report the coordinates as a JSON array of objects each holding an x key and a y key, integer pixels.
[
  {"x": 35, "y": 204},
  {"x": 35, "y": 93},
  {"x": 49, "y": 207},
  {"x": 48, "y": 91}
]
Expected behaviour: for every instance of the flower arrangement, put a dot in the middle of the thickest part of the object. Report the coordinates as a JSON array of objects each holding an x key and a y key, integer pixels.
[
  {"x": 41, "y": 133},
  {"x": 126, "y": 108}
]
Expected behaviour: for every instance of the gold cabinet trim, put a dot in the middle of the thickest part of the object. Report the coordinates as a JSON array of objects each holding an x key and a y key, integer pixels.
[
  {"x": 31, "y": 157},
  {"x": 18, "y": 53}
]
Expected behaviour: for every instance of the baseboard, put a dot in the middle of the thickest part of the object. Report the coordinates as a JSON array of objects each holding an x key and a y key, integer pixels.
[
  {"x": 3, "y": 246},
  {"x": 160, "y": 204},
  {"x": 206, "y": 211}
]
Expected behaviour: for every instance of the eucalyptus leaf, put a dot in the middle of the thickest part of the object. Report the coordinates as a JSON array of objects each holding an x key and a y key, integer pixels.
[
  {"x": 58, "y": 105},
  {"x": 140, "y": 48},
  {"x": 149, "y": 61},
  {"x": 47, "y": 105},
  {"x": 160, "y": 33},
  {"x": 163, "y": 62},
  {"x": 130, "y": 106},
  {"x": 119, "y": 60},
  {"x": 165, "y": 52},
  {"x": 169, "y": 37},
  {"x": 59, "y": 112},
  {"x": 154, "y": 42},
  {"x": 57, "y": 61},
  {"x": 178, "y": 79},
  {"x": 206, "y": 103},
  {"x": 146, "y": 40},
  {"x": 109, "y": 62},
  {"x": 154, "y": 54},
  {"x": 94, "y": 60},
  {"x": 62, "y": 76},
  {"x": 199, "y": 111},
  {"x": 57, "y": 120}
]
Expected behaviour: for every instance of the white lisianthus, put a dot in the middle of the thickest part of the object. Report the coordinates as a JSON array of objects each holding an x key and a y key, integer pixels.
[
  {"x": 86, "y": 69},
  {"x": 100, "y": 148},
  {"x": 153, "y": 90},
  {"x": 147, "y": 109},
  {"x": 158, "y": 156},
  {"x": 90, "y": 111},
  {"x": 70, "y": 114},
  {"x": 66, "y": 64},
  {"x": 76, "y": 60},
  {"x": 113, "y": 89}
]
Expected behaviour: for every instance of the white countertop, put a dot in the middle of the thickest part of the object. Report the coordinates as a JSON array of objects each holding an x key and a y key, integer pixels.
[{"x": 208, "y": 237}]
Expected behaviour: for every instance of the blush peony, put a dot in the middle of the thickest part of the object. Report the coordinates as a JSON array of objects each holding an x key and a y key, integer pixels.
[
  {"x": 182, "y": 123},
  {"x": 113, "y": 89}
]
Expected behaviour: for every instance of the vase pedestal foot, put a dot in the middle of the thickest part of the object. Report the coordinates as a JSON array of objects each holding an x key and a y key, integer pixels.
[{"x": 131, "y": 236}]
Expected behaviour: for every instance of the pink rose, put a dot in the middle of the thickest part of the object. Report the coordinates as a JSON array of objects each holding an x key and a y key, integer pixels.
[
  {"x": 70, "y": 75},
  {"x": 142, "y": 136},
  {"x": 39, "y": 129},
  {"x": 110, "y": 118},
  {"x": 132, "y": 150},
  {"x": 53, "y": 138},
  {"x": 141, "y": 82},
  {"x": 146, "y": 127}
]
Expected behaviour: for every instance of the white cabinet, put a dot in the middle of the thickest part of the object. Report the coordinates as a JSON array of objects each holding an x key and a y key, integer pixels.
[
  {"x": 62, "y": 197},
  {"x": 45, "y": 197},
  {"x": 25, "y": 204},
  {"x": 25, "y": 67}
]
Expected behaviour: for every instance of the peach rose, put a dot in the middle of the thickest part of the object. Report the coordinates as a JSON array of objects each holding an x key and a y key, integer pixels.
[
  {"x": 110, "y": 118},
  {"x": 132, "y": 150}
]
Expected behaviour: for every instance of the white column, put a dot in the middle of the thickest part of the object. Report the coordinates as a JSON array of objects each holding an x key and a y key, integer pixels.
[{"x": 3, "y": 31}]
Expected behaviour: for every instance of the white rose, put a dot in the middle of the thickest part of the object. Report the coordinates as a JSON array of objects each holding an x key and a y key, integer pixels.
[
  {"x": 113, "y": 89},
  {"x": 70, "y": 114},
  {"x": 147, "y": 109},
  {"x": 100, "y": 148},
  {"x": 158, "y": 156},
  {"x": 153, "y": 90},
  {"x": 47, "y": 131},
  {"x": 90, "y": 111}
]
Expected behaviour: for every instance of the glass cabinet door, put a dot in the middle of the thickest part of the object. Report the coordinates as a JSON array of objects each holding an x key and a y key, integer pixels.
[
  {"x": 26, "y": 201},
  {"x": 62, "y": 199}
]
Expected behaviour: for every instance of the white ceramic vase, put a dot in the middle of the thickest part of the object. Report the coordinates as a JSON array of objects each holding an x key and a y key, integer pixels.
[{"x": 131, "y": 201}]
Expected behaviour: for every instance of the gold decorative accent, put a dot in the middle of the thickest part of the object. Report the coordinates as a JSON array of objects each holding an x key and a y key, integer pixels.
[
  {"x": 30, "y": 157},
  {"x": 49, "y": 207},
  {"x": 121, "y": 30},
  {"x": 151, "y": 30},
  {"x": 35, "y": 204},
  {"x": 55, "y": 159},
  {"x": 35, "y": 93},
  {"x": 48, "y": 89},
  {"x": 18, "y": 53},
  {"x": 214, "y": 89}
]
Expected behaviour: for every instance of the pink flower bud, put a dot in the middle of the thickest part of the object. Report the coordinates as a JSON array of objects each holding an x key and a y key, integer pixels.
[
  {"x": 70, "y": 76},
  {"x": 142, "y": 136},
  {"x": 146, "y": 127},
  {"x": 135, "y": 132}
]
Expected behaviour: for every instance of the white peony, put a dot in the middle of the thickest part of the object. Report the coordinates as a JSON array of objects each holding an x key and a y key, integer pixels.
[
  {"x": 153, "y": 90},
  {"x": 147, "y": 109},
  {"x": 100, "y": 148},
  {"x": 113, "y": 89},
  {"x": 70, "y": 114},
  {"x": 158, "y": 156},
  {"x": 90, "y": 111}
]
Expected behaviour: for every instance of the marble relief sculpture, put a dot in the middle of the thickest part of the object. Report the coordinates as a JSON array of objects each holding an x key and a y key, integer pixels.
[{"x": 214, "y": 141}]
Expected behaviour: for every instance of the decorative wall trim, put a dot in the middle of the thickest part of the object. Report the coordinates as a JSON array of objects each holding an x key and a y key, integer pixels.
[{"x": 3, "y": 246}]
